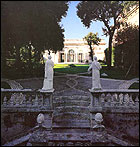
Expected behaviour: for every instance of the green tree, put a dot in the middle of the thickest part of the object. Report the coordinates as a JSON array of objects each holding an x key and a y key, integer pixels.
[
  {"x": 127, "y": 48},
  {"x": 31, "y": 21},
  {"x": 92, "y": 39},
  {"x": 104, "y": 11}
]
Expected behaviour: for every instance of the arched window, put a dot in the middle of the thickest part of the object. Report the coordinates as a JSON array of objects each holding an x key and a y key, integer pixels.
[
  {"x": 71, "y": 51},
  {"x": 71, "y": 55}
]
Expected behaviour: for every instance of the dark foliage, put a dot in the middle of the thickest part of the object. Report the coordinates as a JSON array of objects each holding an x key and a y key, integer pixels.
[{"x": 35, "y": 22}]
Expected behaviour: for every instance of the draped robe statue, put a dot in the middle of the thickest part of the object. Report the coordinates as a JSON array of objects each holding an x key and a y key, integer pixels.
[
  {"x": 95, "y": 66},
  {"x": 48, "y": 80}
]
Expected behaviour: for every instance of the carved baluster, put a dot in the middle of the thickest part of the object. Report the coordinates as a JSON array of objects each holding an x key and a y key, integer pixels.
[
  {"x": 115, "y": 99},
  {"x": 31, "y": 98},
  {"x": 137, "y": 100},
  {"x": 126, "y": 99},
  {"x": 52, "y": 144},
  {"x": 16, "y": 97},
  {"x": 46, "y": 100},
  {"x": 121, "y": 99},
  {"x": 5, "y": 101},
  {"x": 29, "y": 103},
  {"x": 60, "y": 144},
  {"x": 27, "y": 99},
  {"x": 108, "y": 99},
  {"x": 78, "y": 144},
  {"x": 21, "y": 99},
  {"x": 96, "y": 100},
  {"x": 42, "y": 100},
  {"x": 105, "y": 99},
  {"x": 12, "y": 100},
  {"x": 36, "y": 100},
  {"x": 102, "y": 99},
  {"x": 131, "y": 102},
  {"x": 91, "y": 101},
  {"x": 112, "y": 100},
  {"x": 24, "y": 100},
  {"x": 118, "y": 99},
  {"x": 51, "y": 101}
]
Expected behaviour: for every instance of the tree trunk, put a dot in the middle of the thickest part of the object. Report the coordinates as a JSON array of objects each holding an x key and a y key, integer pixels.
[
  {"x": 91, "y": 53},
  {"x": 3, "y": 60},
  {"x": 110, "y": 51},
  {"x": 129, "y": 69},
  {"x": 30, "y": 57},
  {"x": 49, "y": 52},
  {"x": 18, "y": 60}
]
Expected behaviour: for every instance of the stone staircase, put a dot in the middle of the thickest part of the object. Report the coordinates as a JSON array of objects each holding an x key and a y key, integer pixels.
[{"x": 71, "y": 112}]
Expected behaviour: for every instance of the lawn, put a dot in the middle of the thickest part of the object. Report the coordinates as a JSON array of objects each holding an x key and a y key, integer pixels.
[
  {"x": 134, "y": 86},
  {"x": 82, "y": 68},
  {"x": 65, "y": 68}
]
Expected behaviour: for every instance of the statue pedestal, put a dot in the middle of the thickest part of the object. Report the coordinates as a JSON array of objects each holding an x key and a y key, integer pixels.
[
  {"x": 95, "y": 89},
  {"x": 47, "y": 106},
  {"x": 46, "y": 90}
]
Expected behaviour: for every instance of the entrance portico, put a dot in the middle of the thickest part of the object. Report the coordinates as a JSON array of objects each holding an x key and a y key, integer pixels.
[{"x": 77, "y": 51}]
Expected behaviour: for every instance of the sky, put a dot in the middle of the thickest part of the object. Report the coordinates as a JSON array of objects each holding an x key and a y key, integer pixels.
[{"x": 75, "y": 29}]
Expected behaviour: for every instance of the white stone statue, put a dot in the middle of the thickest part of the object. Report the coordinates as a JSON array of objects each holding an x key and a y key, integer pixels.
[
  {"x": 95, "y": 66},
  {"x": 48, "y": 80}
]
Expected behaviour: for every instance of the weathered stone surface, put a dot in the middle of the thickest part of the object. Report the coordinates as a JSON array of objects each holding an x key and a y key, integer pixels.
[
  {"x": 72, "y": 115},
  {"x": 95, "y": 66},
  {"x": 48, "y": 79}
]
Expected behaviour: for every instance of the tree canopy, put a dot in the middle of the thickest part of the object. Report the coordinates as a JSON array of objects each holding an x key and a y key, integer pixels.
[
  {"x": 104, "y": 11},
  {"x": 92, "y": 39},
  {"x": 31, "y": 21},
  {"x": 35, "y": 21},
  {"x": 127, "y": 48}
]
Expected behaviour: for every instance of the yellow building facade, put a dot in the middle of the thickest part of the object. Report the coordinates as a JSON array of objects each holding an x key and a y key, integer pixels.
[
  {"x": 77, "y": 51},
  {"x": 132, "y": 16}
]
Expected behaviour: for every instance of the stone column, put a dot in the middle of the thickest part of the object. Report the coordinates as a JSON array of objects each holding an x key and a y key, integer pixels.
[
  {"x": 95, "y": 106},
  {"x": 66, "y": 57},
  {"x": 47, "y": 108},
  {"x": 76, "y": 55},
  {"x": 84, "y": 57}
]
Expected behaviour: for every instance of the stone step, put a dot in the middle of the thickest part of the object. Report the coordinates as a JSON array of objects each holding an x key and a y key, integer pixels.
[
  {"x": 71, "y": 116},
  {"x": 79, "y": 109},
  {"x": 71, "y": 112},
  {"x": 71, "y": 103},
  {"x": 75, "y": 97},
  {"x": 71, "y": 125},
  {"x": 71, "y": 121}
]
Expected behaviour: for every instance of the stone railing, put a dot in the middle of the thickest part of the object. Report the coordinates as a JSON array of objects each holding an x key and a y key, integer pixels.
[
  {"x": 26, "y": 98},
  {"x": 114, "y": 98}
]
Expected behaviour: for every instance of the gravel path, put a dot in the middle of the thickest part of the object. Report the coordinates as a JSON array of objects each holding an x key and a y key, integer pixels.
[
  {"x": 71, "y": 82},
  {"x": 127, "y": 83}
]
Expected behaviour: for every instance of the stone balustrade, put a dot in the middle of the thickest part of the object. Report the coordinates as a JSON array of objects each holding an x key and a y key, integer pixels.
[
  {"x": 26, "y": 98},
  {"x": 100, "y": 98},
  {"x": 115, "y": 99}
]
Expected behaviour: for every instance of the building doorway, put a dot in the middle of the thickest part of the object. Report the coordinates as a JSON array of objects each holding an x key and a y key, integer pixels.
[
  {"x": 71, "y": 56},
  {"x": 80, "y": 57},
  {"x": 61, "y": 57}
]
